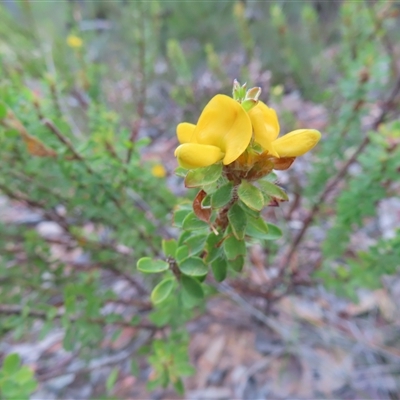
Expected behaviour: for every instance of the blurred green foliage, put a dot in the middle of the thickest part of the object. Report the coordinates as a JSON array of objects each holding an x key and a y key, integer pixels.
[{"x": 77, "y": 125}]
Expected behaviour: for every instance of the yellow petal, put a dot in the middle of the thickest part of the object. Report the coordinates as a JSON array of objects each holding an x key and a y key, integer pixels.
[
  {"x": 296, "y": 143},
  {"x": 194, "y": 155},
  {"x": 224, "y": 124},
  {"x": 185, "y": 131},
  {"x": 265, "y": 126}
]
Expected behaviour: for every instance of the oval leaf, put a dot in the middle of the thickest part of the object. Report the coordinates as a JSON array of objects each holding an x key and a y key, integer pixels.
[
  {"x": 234, "y": 248},
  {"x": 272, "y": 190},
  {"x": 274, "y": 232},
  {"x": 251, "y": 196},
  {"x": 162, "y": 290},
  {"x": 238, "y": 221},
  {"x": 150, "y": 266},
  {"x": 192, "y": 223},
  {"x": 181, "y": 172},
  {"x": 219, "y": 268},
  {"x": 180, "y": 214},
  {"x": 192, "y": 288},
  {"x": 11, "y": 363},
  {"x": 237, "y": 264},
  {"x": 196, "y": 243},
  {"x": 112, "y": 378},
  {"x": 259, "y": 229},
  {"x": 181, "y": 253},
  {"x": 193, "y": 266},
  {"x": 213, "y": 247},
  {"x": 169, "y": 247},
  {"x": 222, "y": 196},
  {"x": 203, "y": 176}
]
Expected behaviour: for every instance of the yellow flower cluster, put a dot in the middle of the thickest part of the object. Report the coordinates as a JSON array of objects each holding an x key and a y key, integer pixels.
[{"x": 225, "y": 130}]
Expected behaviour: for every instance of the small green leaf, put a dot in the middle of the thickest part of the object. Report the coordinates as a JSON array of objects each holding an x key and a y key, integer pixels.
[
  {"x": 30, "y": 386},
  {"x": 234, "y": 248},
  {"x": 219, "y": 268},
  {"x": 192, "y": 223},
  {"x": 211, "y": 188},
  {"x": 159, "y": 317},
  {"x": 271, "y": 177},
  {"x": 238, "y": 221},
  {"x": 149, "y": 266},
  {"x": 181, "y": 172},
  {"x": 11, "y": 363},
  {"x": 251, "y": 196},
  {"x": 162, "y": 290},
  {"x": 183, "y": 237},
  {"x": 51, "y": 313},
  {"x": 203, "y": 176},
  {"x": 181, "y": 253},
  {"x": 180, "y": 214},
  {"x": 10, "y": 390},
  {"x": 3, "y": 110},
  {"x": 237, "y": 264},
  {"x": 112, "y": 378},
  {"x": 25, "y": 374},
  {"x": 116, "y": 335},
  {"x": 222, "y": 195},
  {"x": 259, "y": 229},
  {"x": 135, "y": 369},
  {"x": 272, "y": 190},
  {"x": 193, "y": 266},
  {"x": 169, "y": 247},
  {"x": 135, "y": 320},
  {"x": 196, "y": 243},
  {"x": 274, "y": 232},
  {"x": 178, "y": 386},
  {"x": 192, "y": 288},
  {"x": 249, "y": 211},
  {"x": 11, "y": 133},
  {"x": 212, "y": 248},
  {"x": 153, "y": 384}
]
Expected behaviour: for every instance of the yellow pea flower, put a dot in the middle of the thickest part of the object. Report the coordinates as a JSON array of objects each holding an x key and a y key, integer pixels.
[
  {"x": 223, "y": 132},
  {"x": 158, "y": 171},
  {"x": 74, "y": 41},
  {"x": 266, "y": 131},
  {"x": 225, "y": 129}
]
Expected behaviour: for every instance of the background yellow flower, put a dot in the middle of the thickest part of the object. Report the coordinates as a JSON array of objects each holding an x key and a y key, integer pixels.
[
  {"x": 74, "y": 41},
  {"x": 158, "y": 171}
]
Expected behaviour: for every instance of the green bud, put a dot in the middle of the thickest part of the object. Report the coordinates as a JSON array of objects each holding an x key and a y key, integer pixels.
[{"x": 239, "y": 92}]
